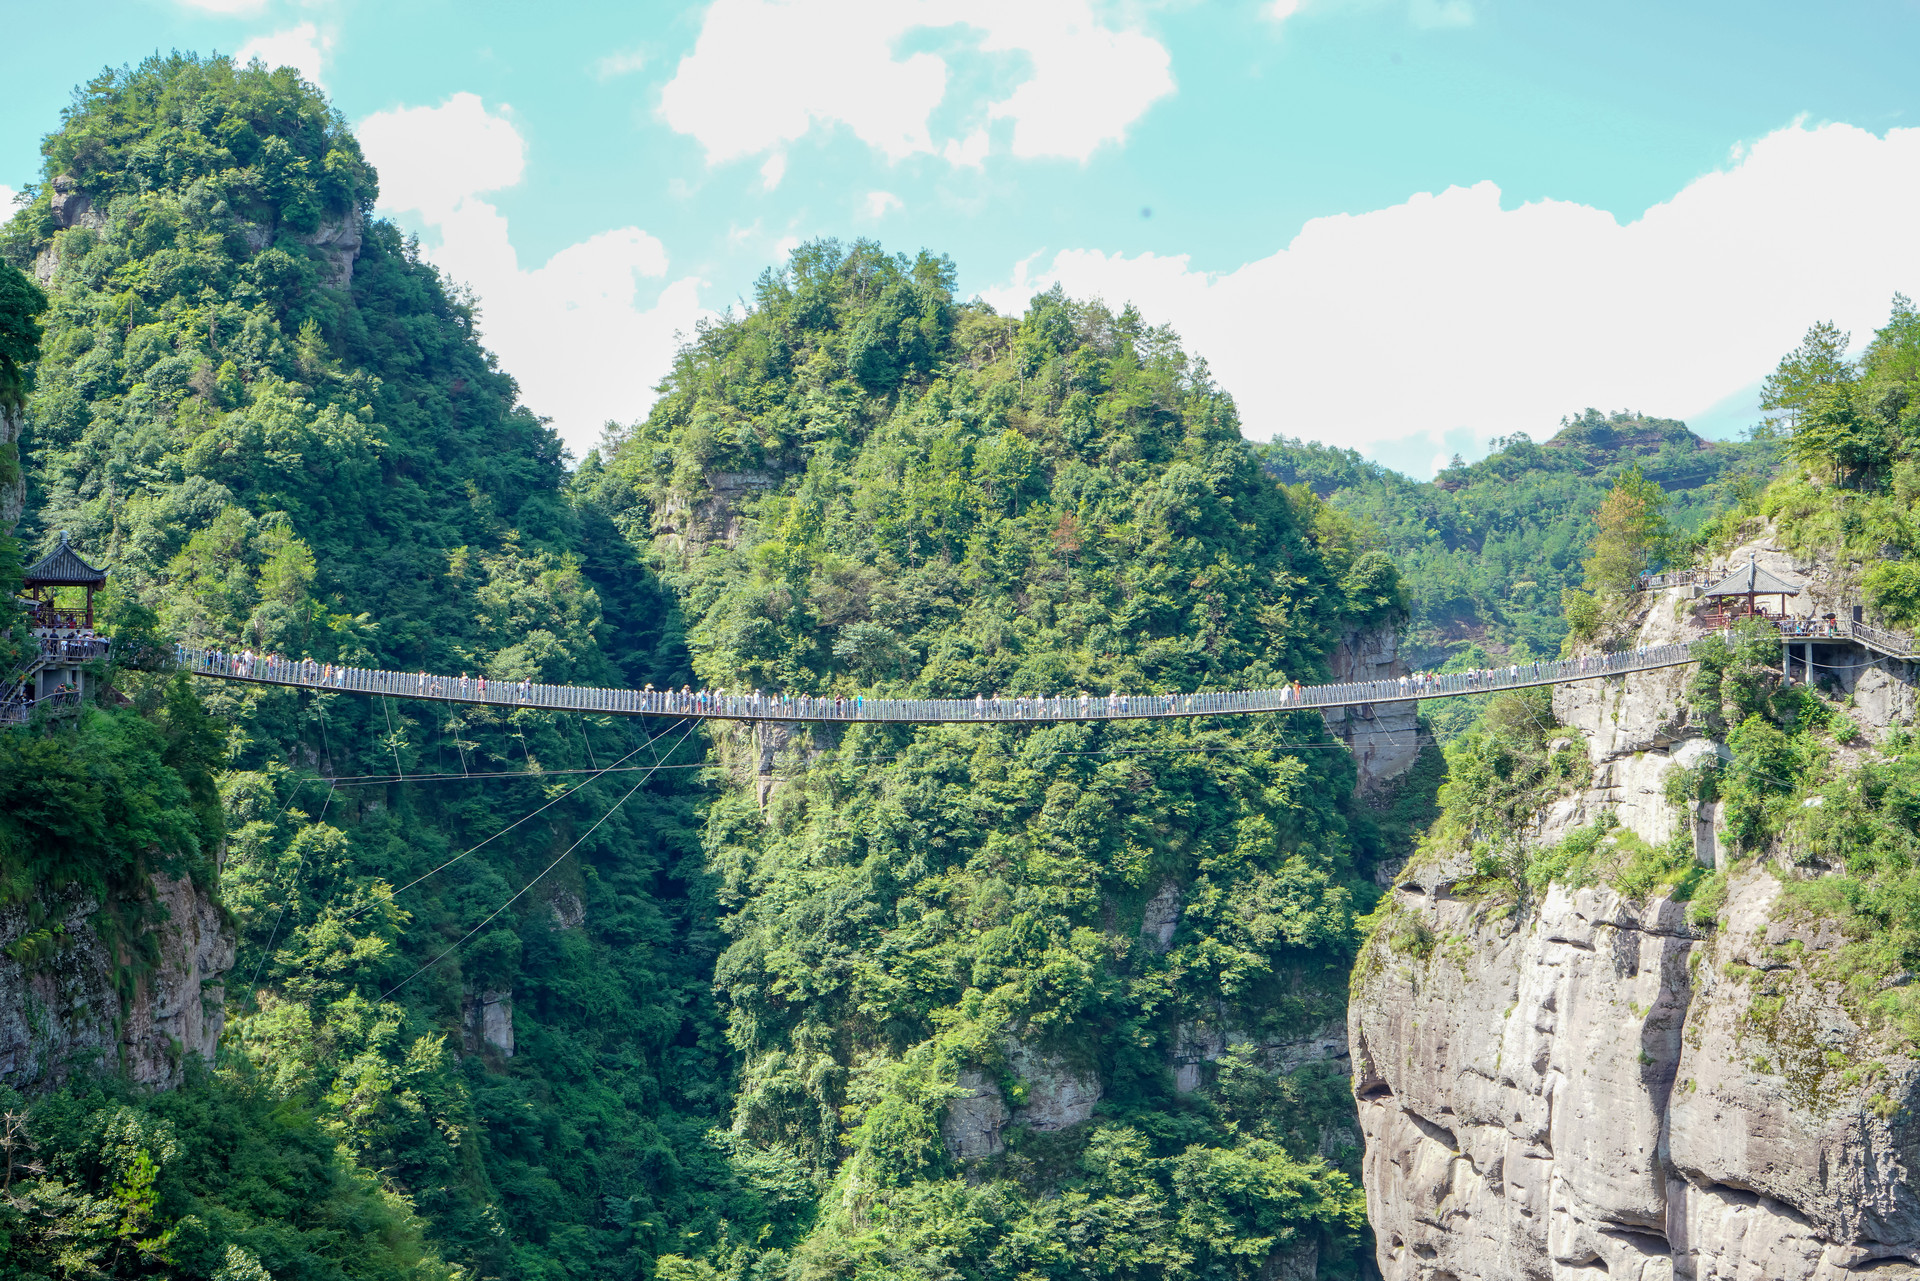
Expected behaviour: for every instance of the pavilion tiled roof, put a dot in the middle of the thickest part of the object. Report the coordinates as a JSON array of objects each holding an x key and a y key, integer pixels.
[
  {"x": 62, "y": 567},
  {"x": 1751, "y": 580}
]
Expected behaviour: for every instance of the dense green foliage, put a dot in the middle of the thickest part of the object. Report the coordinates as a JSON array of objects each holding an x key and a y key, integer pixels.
[
  {"x": 947, "y": 502},
  {"x": 222, "y": 1179},
  {"x": 1853, "y": 426},
  {"x": 21, "y": 303},
  {"x": 737, "y": 1027},
  {"x": 1487, "y": 550},
  {"x": 265, "y": 458}
]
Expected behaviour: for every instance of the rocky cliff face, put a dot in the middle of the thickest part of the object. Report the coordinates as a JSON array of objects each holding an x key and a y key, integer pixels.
[
  {"x": 70, "y": 999},
  {"x": 1586, "y": 1087},
  {"x": 1595, "y": 1091},
  {"x": 334, "y": 244},
  {"x": 1384, "y": 737}
]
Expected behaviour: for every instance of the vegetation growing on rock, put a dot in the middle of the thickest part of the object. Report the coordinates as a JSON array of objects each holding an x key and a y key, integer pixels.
[{"x": 736, "y": 1029}]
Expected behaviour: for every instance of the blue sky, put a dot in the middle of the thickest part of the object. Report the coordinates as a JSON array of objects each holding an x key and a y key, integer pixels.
[{"x": 1407, "y": 226}]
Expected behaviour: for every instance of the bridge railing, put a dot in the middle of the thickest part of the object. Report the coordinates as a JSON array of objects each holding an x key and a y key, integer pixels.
[
  {"x": 1078, "y": 706},
  {"x": 1887, "y": 642},
  {"x": 1670, "y": 578},
  {"x": 1794, "y": 627},
  {"x": 16, "y": 707}
]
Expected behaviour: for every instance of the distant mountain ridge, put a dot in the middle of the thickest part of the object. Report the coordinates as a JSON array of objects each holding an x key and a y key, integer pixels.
[{"x": 1486, "y": 548}]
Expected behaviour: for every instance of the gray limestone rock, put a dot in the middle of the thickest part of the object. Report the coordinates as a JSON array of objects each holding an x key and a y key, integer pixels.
[
  {"x": 1059, "y": 1094},
  {"x": 1593, "y": 1091},
  {"x": 569, "y": 913},
  {"x": 60, "y": 1007},
  {"x": 487, "y": 1021},
  {"x": 1384, "y": 737},
  {"x": 1161, "y": 918},
  {"x": 975, "y": 1118}
]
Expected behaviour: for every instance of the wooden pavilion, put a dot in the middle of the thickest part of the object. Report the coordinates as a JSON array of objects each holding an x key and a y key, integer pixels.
[
  {"x": 62, "y": 567},
  {"x": 1748, "y": 583}
]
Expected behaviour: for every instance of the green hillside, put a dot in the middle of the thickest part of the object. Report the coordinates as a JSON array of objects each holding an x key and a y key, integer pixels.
[
  {"x": 267, "y": 459},
  {"x": 950, "y": 502},
  {"x": 1487, "y": 548},
  {"x": 738, "y": 1029}
]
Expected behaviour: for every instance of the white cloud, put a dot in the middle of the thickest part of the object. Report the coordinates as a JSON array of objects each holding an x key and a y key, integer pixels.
[
  {"x": 230, "y": 7},
  {"x": 970, "y": 154},
  {"x": 432, "y": 158},
  {"x": 773, "y": 171},
  {"x": 621, "y": 63},
  {"x": 1448, "y": 312},
  {"x": 763, "y": 73},
  {"x": 881, "y": 203},
  {"x": 572, "y": 331},
  {"x": 1089, "y": 82},
  {"x": 303, "y": 47}
]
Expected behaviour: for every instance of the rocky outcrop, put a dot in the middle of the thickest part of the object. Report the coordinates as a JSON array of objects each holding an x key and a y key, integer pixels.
[
  {"x": 1637, "y": 727},
  {"x": 569, "y": 913},
  {"x": 71, "y": 207},
  {"x": 1598, "y": 1090},
  {"x": 1057, "y": 1095},
  {"x": 1584, "y": 1087},
  {"x": 1384, "y": 737},
  {"x": 975, "y": 1117},
  {"x": 689, "y": 523},
  {"x": 1201, "y": 1042},
  {"x": 487, "y": 1023},
  {"x": 334, "y": 244},
  {"x": 1161, "y": 918},
  {"x": 61, "y": 981},
  {"x": 1631, "y": 726}
]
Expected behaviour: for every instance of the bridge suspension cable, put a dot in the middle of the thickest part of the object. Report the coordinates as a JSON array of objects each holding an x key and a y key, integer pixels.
[{"x": 1028, "y": 708}]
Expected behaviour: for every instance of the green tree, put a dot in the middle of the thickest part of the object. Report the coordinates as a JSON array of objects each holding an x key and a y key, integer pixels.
[
  {"x": 1630, "y": 532},
  {"x": 1820, "y": 361},
  {"x": 21, "y": 302}
]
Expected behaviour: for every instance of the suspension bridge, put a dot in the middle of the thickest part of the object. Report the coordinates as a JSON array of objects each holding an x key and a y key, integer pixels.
[{"x": 756, "y": 705}]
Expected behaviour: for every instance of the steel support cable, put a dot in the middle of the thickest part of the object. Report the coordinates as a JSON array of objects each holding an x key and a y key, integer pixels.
[
  {"x": 388, "y": 898},
  {"x": 638, "y": 784},
  {"x": 300, "y": 867}
]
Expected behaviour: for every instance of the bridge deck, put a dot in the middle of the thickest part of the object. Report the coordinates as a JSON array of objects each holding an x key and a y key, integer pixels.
[{"x": 1035, "y": 708}]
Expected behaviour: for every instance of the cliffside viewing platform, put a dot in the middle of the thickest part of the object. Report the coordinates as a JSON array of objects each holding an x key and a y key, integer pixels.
[{"x": 760, "y": 706}]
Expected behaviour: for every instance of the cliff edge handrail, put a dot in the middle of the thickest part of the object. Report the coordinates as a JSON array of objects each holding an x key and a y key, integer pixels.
[{"x": 756, "y": 706}]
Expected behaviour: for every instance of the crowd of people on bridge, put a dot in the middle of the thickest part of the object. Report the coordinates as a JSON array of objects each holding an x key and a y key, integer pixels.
[{"x": 858, "y": 706}]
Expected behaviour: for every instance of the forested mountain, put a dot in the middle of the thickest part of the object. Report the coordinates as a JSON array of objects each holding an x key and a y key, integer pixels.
[
  {"x": 1487, "y": 548},
  {"x": 271, "y": 453},
  {"x": 897, "y": 1001},
  {"x": 944, "y": 501}
]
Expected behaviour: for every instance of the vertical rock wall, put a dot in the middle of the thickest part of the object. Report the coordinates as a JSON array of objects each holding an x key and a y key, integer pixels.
[
  {"x": 69, "y": 1000},
  {"x": 1587, "y": 1087},
  {"x": 1599, "y": 1090},
  {"x": 1384, "y": 737}
]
